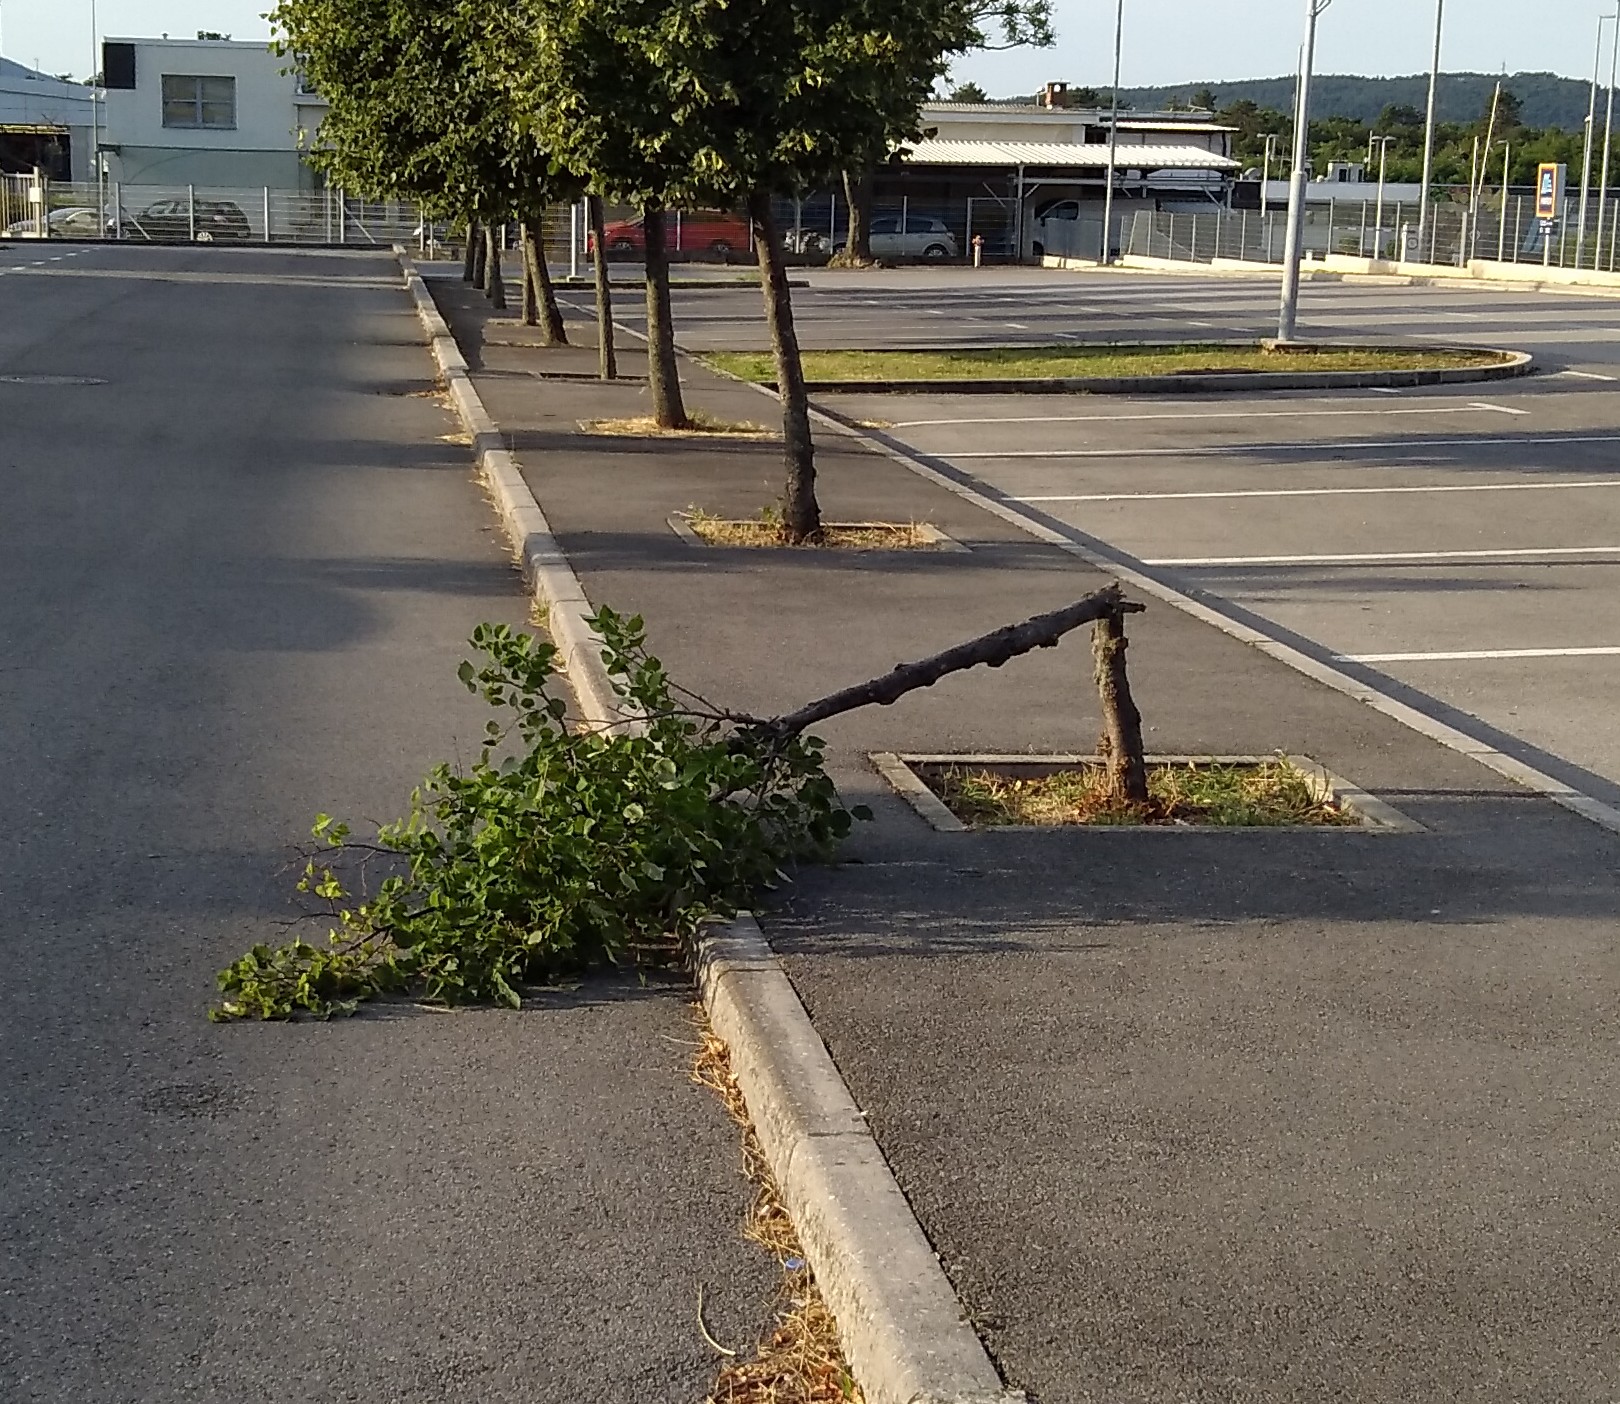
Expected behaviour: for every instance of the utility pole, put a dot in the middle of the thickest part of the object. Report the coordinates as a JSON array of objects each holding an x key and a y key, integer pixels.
[
  {"x": 1113, "y": 136},
  {"x": 1608, "y": 135},
  {"x": 95, "y": 124},
  {"x": 1591, "y": 129},
  {"x": 1428, "y": 129},
  {"x": 1383, "y": 159},
  {"x": 1288, "y": 311}
]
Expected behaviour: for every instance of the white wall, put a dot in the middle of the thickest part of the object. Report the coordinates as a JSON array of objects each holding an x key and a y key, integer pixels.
[{"x": 261, "y": 150}]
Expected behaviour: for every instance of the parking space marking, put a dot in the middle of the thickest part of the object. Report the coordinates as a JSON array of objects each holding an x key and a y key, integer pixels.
[
  {"x": 1410, "y": 446},
  {"x": 1323, "y": 492},
  {"x": 1587, "y": 375},
  {"x": 1519, "y": 553},
  {"x": 1469, "y": 408},
  {"x": 1479, "y": 655}
]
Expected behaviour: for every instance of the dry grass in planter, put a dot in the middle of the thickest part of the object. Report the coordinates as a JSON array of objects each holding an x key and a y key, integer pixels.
[
  {"x": 800, "y": 1360},
  {"x": 766, "y": 530},
  {"x": 702, "y": 426},
  {"x": 1184, "y": 794}
]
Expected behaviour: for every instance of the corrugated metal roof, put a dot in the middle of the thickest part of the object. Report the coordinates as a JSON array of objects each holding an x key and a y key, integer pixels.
[{"x": 1065, "y": 153}]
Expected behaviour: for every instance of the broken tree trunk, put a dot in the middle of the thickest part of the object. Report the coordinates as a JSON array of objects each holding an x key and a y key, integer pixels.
[
  {"x": 1121, "y": 742},
  {"x": 991, "y": 650}
]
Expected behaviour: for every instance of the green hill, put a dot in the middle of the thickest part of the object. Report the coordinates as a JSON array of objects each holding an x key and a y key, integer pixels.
[{"x": 1549, "y": 100}]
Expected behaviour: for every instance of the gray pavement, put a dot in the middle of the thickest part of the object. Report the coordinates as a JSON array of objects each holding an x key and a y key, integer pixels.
[
  {"x": 239, "y": 567},
  {"x": 1280, "y": 1117},
  {"x": 1459, "y": 546}
]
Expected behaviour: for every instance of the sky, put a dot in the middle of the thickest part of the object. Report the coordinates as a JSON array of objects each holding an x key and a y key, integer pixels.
[{"x": 1166, "y": 41}]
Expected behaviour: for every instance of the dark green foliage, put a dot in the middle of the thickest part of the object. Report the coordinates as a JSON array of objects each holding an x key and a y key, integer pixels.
[{"x": 559, "y": 850}]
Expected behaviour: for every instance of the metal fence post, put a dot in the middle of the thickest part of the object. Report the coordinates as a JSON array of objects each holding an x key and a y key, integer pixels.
[
  {"x": 267, "y": 214},
  {"x": 905, "y": 210},
  {"x": 191, "y": 211},
  {"x": 967, "y": 234},
  {"x": 118, "y": 209},
  {"x": 1518, "y": 225},
  {"x": 832, "y": 218},
  {"x": 343, "y": 232}
]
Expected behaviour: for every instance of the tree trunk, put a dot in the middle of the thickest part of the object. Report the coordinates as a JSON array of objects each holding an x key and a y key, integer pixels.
[
  {"x": 663, "y": 374},
  {"x": 497, "y": 284},
  {"x": 607, "y": 362},
  {"x": 531, "y": 294},
  {"x": 537, "y": 280},
  {"x": 479, "y": 236},
  {"x": 858, "y": 190},
  {"x": 1121, "y": 742},
  {"x": 469, "y": 260},
  {"x": 801, "y": 513}
]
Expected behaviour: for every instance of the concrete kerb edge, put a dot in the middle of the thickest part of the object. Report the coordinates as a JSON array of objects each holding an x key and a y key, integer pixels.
[
  {"x": 905, "y": 1334},
  {"x": 1605, "y": 816},
  {"x": 552, "y": 581}
]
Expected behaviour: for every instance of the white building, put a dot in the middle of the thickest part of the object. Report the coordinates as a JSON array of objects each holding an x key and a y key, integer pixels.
[
  {"x": 208, "y": 112},
  {"x": 44, "y": 122}
]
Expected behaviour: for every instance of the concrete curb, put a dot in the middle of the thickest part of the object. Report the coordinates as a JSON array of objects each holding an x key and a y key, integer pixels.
[
  {"x": 906, "y": 1336},
  {"x": 1516, "y": 363},
  {"x": 557, "y": 590}
]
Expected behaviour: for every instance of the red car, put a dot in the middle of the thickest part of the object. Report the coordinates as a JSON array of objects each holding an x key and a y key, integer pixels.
[{"x": 686, "y": 231}]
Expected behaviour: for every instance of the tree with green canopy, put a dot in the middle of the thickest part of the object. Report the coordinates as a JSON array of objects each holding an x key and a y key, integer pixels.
[
  {"x": 976, "y": 24},
  {"x": 729, "y": 103},
  {"x": 415, "y": 112}
]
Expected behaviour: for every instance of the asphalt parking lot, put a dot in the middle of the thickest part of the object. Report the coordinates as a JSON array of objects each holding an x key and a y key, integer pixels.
[{"x": 1459, "y": 547}]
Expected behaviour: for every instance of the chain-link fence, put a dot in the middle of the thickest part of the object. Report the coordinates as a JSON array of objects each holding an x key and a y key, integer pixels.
[
  {"x": 1501, "y": 228},
  {"x": 813, "y": 226}
]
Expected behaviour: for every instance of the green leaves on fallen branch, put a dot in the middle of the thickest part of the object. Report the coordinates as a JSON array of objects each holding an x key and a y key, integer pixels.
[{"x": 558, "y": 851}]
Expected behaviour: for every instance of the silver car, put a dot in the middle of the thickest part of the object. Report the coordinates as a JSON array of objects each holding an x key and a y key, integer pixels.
[
  {"x": 69, "y": 222},
  {"x": 923, "y": 238}
]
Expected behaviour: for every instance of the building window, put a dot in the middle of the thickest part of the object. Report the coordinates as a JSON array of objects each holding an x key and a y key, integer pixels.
[{"x": 194, "y": 101}]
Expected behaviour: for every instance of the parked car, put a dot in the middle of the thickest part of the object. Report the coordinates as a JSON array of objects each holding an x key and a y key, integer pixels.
[
  {"x": 69, "y": 222},
  {"x": 171, "y": 219},
  {"x": 688, "y": 231},
  {"x": 924, "y": 238}
]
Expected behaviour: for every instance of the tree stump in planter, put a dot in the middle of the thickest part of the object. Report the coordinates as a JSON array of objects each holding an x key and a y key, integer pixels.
[{"x": 1121, "y": 741}]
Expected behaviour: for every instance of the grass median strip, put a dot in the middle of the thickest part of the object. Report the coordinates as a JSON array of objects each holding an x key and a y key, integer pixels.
[
  {"x": 1215, "y": 795},
  {"x": 1065, "y": 362}
]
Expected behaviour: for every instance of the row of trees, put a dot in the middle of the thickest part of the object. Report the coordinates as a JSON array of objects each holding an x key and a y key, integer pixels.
[
  {"x": 489, "y": 113},
  {"x": 1345, "y": 139}
]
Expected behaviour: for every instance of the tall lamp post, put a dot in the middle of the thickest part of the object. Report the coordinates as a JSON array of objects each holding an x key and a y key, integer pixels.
[
  {"x": 1265, "y": 172},
  {"x": 1591, "y": 131},
  {"x": 1428, "y": 130},
  {"x": 1378, "y": 218},
  {"x": 1113, "y": 136},
  {"x": 1608, "y": 136},
  {"x": 1288, "y": 312}
]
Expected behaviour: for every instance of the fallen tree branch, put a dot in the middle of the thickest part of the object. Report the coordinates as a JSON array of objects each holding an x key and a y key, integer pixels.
[{"x": 991, "y": 650}]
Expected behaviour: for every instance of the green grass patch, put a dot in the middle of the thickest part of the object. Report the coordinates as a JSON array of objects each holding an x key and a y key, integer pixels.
[
  {"x": 1061, "y": 362},
  {"x": 1271, "y": 794}
]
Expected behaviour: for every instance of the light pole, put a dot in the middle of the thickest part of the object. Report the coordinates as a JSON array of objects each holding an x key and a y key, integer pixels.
[
  {"x": 1288, "y": 311},
  {"x": 1608, "y": 135},
  {"x": 1113, "y": 136},
  {"x": 1265, "y": 173},
  {"x": 95, "y": 124},
  {"x": 1591, "y": 131},
  {"x": 1428, "y": 129},
  {"x": 1383, "y": 159}
]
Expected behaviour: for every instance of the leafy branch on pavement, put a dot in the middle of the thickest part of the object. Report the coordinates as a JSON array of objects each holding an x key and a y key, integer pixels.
[
  {"x": 559, "y": 850},
  {"x": 562, "y": 849}
]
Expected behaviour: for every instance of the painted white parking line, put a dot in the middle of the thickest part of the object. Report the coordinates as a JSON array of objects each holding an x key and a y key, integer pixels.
[
  {"x": 1384, "y": 390},
  {"x": 1478, "y": 655},
  {"x": 1526, "y": 553},
  {"x": 1411, "y": 446},
  {"x": 1587, "y": 375},
  {"x": 1323, "y": 492},
  {"x": 1471, "y": 407}
]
